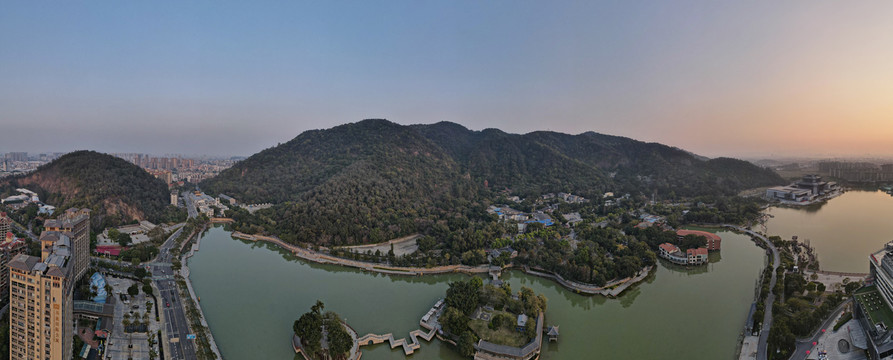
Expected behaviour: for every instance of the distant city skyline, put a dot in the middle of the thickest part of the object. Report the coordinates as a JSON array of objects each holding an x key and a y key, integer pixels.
[{"x": 748, "y": 80}]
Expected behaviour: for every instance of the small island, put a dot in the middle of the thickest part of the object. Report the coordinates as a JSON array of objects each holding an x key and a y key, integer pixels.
[
  {"x": 481, "y": 321},
  {"x": 486, "y": 321},
  {"x": 319, "y": 335}
]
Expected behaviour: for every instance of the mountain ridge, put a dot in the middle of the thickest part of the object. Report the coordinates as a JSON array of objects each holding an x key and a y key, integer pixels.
[{"x": 375, "y": 180}]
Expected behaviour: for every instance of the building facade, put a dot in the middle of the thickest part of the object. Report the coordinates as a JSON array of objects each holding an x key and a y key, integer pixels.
[
  {"x": 5, "y": 224},
  {"x": 9, "y": 248},
  {"x": 77, "y": 222},
  {"x": 40, "y": 306},
  {"x": 879, "y": 336}
]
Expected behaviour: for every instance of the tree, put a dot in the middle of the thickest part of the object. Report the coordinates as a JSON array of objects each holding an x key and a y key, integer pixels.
[
  {"x": 852, "y": 286},
  {"x": 309, "y": 328},
  {"x": 454, "y": 321},
  {"x": 113, "y": 234},
  {"x": 463, "y": 295},
  {"x": 147, "y": 289},
  {"x": 124, "y": 239},
  {"x": 339, "y": 340},
  {"x": 133, "y": 290},
  {"x": 466, "y": 343}
]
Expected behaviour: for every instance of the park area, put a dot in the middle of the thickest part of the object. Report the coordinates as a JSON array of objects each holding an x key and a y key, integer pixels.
[{"x": 498, "y": 327}]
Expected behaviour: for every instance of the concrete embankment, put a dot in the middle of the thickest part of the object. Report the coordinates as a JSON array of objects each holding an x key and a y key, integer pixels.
[
  {"x": 314, "y": 256},
  {"x": 184, "y": 271},
  {"x": 611, "y": 289}
]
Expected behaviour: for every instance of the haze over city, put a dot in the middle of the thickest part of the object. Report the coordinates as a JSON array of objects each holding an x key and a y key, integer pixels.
[{"x": 750, "y": 79}]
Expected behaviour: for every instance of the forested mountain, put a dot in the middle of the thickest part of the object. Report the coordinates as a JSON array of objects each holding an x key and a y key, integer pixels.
[
  {"x": 375, "y": 180},
  {"x": 116, "y": 190}
]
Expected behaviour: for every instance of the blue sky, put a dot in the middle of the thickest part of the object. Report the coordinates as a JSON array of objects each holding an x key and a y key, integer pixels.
[{"x": 213, "y": 77}]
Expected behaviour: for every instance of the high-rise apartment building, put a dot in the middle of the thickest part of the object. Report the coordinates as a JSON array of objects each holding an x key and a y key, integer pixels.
[
  {"x": 77, "y": 222},
  {"x": 10, "y": 246},
  {"x": 40, "y": 289},
  {"x": 40, "y": 299},
  {"x": 5, "y": 224}
]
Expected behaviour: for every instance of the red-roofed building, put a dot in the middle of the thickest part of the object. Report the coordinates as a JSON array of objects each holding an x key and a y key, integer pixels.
[
  {"x": 113, "y": 250},
  {"x": 714, "y": 242},
  {"x": 671, "y": 252},
  {"x": 697, "y": 256}
]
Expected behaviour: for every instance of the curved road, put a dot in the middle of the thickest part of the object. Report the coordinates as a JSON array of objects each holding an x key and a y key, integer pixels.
[
  {"x": 763, "y": 346},
  {"x": 806, "y": 344}
]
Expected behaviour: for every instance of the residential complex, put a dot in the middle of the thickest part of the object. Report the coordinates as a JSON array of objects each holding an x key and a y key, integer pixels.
[{"x": 41, "y": 314}]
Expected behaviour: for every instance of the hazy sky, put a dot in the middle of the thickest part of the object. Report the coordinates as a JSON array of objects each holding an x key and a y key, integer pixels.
[{"x": 741, "y": 78}]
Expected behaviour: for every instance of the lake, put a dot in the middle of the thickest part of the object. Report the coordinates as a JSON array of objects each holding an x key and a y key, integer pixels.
[
  {"x": 252, "y": 293},
  {"x": 843, "y": 230}
]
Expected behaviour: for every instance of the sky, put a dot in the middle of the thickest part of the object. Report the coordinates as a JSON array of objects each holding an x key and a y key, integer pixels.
[{"x": 719, "y": 78}]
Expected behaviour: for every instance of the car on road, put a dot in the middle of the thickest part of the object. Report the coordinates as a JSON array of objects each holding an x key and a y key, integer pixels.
[{"x": 168, "y": 304}]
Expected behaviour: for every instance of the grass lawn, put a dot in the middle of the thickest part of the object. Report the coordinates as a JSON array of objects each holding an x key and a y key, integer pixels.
[{"x": 502, "y": 336}]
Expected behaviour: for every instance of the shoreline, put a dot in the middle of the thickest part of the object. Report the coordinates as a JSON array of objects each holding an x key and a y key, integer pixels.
[{"x": 612, "y": 289}]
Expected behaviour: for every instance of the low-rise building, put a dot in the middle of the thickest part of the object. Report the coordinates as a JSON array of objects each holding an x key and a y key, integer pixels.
[
  {"x": 714, "y": 242},
  {"x": 675, "y": 255},
  {"x": 789, "y": 193},
  {"x": 697, "y": 256}
]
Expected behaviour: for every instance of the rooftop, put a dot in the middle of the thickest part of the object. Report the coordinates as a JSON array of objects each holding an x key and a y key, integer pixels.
[{"x": 874, "y": 305}]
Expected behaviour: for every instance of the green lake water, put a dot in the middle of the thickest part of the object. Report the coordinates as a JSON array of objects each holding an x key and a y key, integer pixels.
[
  {"x": 843, "y": 231},
  {"x": 252, "y": 293}
]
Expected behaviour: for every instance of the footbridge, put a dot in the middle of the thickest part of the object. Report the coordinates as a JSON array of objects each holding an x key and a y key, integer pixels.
[{"x": 408, "y": 346}]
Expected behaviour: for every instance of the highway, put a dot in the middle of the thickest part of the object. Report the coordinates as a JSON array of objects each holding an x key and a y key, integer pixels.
[
  {"x": 190, "y": 207},
  {"x": 175, "y": 322}
]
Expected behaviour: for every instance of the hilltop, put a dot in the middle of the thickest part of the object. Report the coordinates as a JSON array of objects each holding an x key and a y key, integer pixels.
[
  {"x": 375, "y": 180},
  {"x": 114, "y": 189}
]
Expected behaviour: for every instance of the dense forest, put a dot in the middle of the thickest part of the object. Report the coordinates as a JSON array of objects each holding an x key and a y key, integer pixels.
[
  {"x": 115, "y": 190},
  {"x": 376, "y": 180}
]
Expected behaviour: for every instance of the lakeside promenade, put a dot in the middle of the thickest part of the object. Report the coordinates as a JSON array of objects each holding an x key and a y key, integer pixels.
[
  {"x": 762, "y": 344},
  {"x": 611, "y": 289}
]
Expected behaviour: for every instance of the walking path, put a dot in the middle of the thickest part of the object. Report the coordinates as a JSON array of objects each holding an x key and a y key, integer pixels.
[
  {"x": 762, "y": 345},
  {"x": 314, "y": 256},
  {"x": 611, "y": 289}
]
